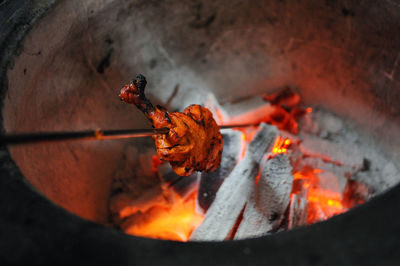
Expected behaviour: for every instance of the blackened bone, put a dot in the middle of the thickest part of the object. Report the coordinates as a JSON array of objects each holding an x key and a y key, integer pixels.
[
  {"x": 270, "y": 197},
  {"x": 235, "y": 190},
  {"x": 210, "y": 182}
]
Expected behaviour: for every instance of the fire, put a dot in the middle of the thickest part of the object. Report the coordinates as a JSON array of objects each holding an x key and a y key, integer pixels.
[
  {"x": 322, "y": 203},
  {"x": 281, "y": 146},
  {"x": 174, "y": 223}
]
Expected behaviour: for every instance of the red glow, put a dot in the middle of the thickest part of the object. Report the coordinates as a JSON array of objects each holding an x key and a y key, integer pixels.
[
  {"x": 174, "y": 223},
  {"x": 322, "y": 203},
  {"x": 155, "y": 163}
]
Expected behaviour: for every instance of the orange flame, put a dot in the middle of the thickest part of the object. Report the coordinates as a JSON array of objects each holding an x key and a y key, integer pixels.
[
  {"x": 174, "y": 223},
  {"x": 322, "y": 203},
  {"x": 281, "y": 146}
]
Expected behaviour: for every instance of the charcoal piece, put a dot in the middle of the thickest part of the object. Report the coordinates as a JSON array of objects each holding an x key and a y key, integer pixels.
[
  {"x": 210, "y": 182},
  {"x": 235, "y": 190},
  {"x": 287, "y": 98},
  {"x": 262, "y": 142},
  {"x": 228, "y": 203},
  {"x": 330, "y": 182},
  {"x": 332, "y": 152},
  {"x": 269, "y": 199},
  {"x": 250, "y": 110},
  {"x": 317, "y": 163}
]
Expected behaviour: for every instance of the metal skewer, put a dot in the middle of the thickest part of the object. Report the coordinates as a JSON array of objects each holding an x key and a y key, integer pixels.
[{"x": 24, "y": 138}]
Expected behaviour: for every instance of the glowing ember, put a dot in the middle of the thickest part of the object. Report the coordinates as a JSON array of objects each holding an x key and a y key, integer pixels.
[
  {"x": 281, "y": 146},
  {"x": 322, "y": 203},
  {"x": 174, "y": 223}
]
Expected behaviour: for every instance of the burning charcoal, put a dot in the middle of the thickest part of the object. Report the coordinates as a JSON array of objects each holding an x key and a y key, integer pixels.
[
  {"x": 283, "y": 120},
  {"x": 263, "y": 141},
  {"x": 330, "y": 182},
  {"x": 319, "y": 163},
  {"x": 228, "y": 203},
  {"x": 297, "y": 211},
  {"x": 183, "y": 186},
  {"x": 287, "y": 135},
  {"x": 210, "y": 182},
  {"x": 331, "y": 152},
  {"x": 286, "y": 98},
  {"x": 269, "y": 199},
  {"x": 236, "y": 188},
  {"x": 174, "y": 222}
]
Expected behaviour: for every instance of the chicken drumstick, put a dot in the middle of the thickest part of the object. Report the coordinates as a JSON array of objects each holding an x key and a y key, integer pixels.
[{"x": 193, "y": 143}]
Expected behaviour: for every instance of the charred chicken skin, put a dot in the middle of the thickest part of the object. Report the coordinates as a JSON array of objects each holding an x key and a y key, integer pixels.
[{"x": 194, "y": 142}]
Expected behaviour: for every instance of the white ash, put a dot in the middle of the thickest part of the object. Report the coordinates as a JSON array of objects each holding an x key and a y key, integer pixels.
[
  {"x": 331, "y": 152},
  {"x": 391, "y": 174},
  {"x": 210, "y": 182},
  {"x": 248, "y": 111},
  {"x": 374, "y": 159},
  {"x": 251, "y": 110},
  {"x": 322, "y": 124},
  {"x": 229, "y": 202},
  {"x": 379, "y": 179},
  {"x": 236, "y": 189},
  {"x": 269, "y": 199}
]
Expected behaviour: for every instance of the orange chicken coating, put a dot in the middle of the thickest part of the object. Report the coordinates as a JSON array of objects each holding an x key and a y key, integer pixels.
[{"x": 194, "y": 142}]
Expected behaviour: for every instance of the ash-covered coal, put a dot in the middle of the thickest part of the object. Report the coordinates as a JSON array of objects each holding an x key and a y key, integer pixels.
[{"x": 210, "y": 182}]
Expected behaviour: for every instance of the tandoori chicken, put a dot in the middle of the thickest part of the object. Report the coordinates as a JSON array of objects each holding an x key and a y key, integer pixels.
[{"x": 193, "y": 143}]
